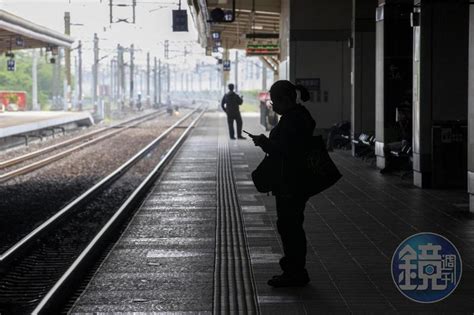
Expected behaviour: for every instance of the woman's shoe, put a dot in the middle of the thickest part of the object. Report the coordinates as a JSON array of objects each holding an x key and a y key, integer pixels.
[{"x": 299, "y": 279}]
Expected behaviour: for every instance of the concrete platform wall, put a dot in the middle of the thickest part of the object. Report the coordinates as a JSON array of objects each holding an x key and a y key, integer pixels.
[
  {"x": 318, "y": 34},
  {"x": 311, "y": 61}
]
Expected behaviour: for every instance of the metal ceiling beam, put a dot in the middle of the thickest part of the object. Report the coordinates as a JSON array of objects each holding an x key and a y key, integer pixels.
[{"x": 267, "y": 15}]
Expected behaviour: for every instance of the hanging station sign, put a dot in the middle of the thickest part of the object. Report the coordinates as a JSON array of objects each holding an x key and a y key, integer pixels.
[
  {"x": 11, "y": 65},
  {"x": 311, "y": 84},
  {"x": 263, "y": 49},
  {"x": 180, "y": 21},
  {"x": 226, "y": 65},
  {"x": 216, "y": 36},
  {"x": 20, "y": 42}
]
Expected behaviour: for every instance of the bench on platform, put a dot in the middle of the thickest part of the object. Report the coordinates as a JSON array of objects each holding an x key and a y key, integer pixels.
[
  {"x": 364, "y": 145},
  {"x": 403, "y": 159}
]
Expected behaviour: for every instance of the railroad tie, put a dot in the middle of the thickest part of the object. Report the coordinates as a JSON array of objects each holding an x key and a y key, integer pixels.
[{"x": 234, "y": 286}]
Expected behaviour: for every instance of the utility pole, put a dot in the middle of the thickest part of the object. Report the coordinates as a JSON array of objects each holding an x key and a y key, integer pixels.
[
  {"x": 74, "y": 94},
  {"x": 34, "y": 74},
  {"x": 189, "y": 87},
  {"x": 191, "y": 81},
  {"x": 148, "y": 79},
  {"x": 225, "y": 74},
  {"x": 131, "y": 74},
  {"x": 137, "y": 83},
  {"x": 67, "y": 54},
  {"x": 79, "y": 75},
  {"x": 236, "y": 70},
  {"x": 168, "y": 78},
  {"x": 134, "y": 6},
  {"x": 155, "y": 83},
  {"x": 120, "y": 76},
  {"x": 59, "y": 91},
  {"x": 167, "y": 49},
  {"x": 113, "y": 82},
  {"x": 159, "y": 82},
  {"x": 95, "y": 70},
  {"x": 111, "y": 16}
]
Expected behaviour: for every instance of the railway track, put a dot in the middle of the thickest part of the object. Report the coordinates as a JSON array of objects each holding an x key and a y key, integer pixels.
[
  {"x": 77, "y": 143},
  {"x": 32, "y": 198},
  {"x": 40, "y": 271}
]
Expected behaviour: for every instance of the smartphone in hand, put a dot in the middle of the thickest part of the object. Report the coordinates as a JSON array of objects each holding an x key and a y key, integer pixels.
[{"x": 250, "y": 135}]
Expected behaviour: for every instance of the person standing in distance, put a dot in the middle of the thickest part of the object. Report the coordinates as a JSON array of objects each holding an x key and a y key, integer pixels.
[{"x": 230, "y": 105}]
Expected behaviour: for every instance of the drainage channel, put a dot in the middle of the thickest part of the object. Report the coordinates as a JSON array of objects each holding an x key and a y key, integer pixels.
[{"x": 234, "y": 286}]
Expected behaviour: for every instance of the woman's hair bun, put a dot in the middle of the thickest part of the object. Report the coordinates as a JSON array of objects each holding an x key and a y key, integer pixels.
[{"x": 303, "y": 92}]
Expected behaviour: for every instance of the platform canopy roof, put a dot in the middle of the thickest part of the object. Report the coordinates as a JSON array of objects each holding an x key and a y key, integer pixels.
[
  {"x": 252, "y": 16},
  {"x": 32, "y": 35}
]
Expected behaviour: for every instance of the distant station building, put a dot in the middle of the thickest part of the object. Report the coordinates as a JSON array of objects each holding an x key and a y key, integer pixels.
[{"x": 17, "y": 33}]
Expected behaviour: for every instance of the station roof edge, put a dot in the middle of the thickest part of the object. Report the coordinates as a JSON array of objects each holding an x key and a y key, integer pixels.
[{"x": 23, "y": 27}]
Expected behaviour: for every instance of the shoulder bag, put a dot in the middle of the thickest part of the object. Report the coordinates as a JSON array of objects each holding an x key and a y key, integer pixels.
[
  {"x": 264, "y": 176},
  {"x": 320, "y": 171}
]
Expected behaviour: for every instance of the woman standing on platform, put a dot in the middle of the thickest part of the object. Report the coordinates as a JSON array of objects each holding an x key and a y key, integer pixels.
[{"x": 286, "y": 145}]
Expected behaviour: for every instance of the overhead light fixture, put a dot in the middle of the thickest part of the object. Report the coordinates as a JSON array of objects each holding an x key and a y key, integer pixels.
[{"x": 257, "y": 27}]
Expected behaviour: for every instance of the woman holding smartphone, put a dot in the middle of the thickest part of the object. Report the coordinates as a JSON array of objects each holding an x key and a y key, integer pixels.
[{"x": 286, "y": 144}]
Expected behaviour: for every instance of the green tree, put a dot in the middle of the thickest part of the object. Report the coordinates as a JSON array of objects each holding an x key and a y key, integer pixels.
[{"x": 21, "y": 78}]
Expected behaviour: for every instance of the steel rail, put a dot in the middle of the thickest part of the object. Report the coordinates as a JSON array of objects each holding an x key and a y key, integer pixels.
[
  {"x": 18, "y": 248},
  {"x": 28, "y": 156},
  {"x": 54, "y": 299},
  {"x": 38, "y": 164}
]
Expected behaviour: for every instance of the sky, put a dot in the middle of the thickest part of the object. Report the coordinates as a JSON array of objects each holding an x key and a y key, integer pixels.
[{"x": 153, "y": 26}]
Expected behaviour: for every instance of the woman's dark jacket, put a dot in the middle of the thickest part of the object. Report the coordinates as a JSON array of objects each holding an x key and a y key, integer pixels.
[{"x": 287, "y": 147}]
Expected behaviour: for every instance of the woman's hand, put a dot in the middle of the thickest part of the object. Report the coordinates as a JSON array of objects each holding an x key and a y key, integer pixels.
[{"x": 259, "y": 140}]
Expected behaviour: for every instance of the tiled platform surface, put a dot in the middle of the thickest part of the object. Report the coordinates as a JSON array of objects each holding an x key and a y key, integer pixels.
[
  {"x": 164, "y": 261},
  {"x": 13, "y": 123}
]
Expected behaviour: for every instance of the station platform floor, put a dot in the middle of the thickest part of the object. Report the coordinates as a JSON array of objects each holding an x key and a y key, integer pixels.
[
  {"x": 15, "y": 123},
  {"x": 205, "y": 240}
]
